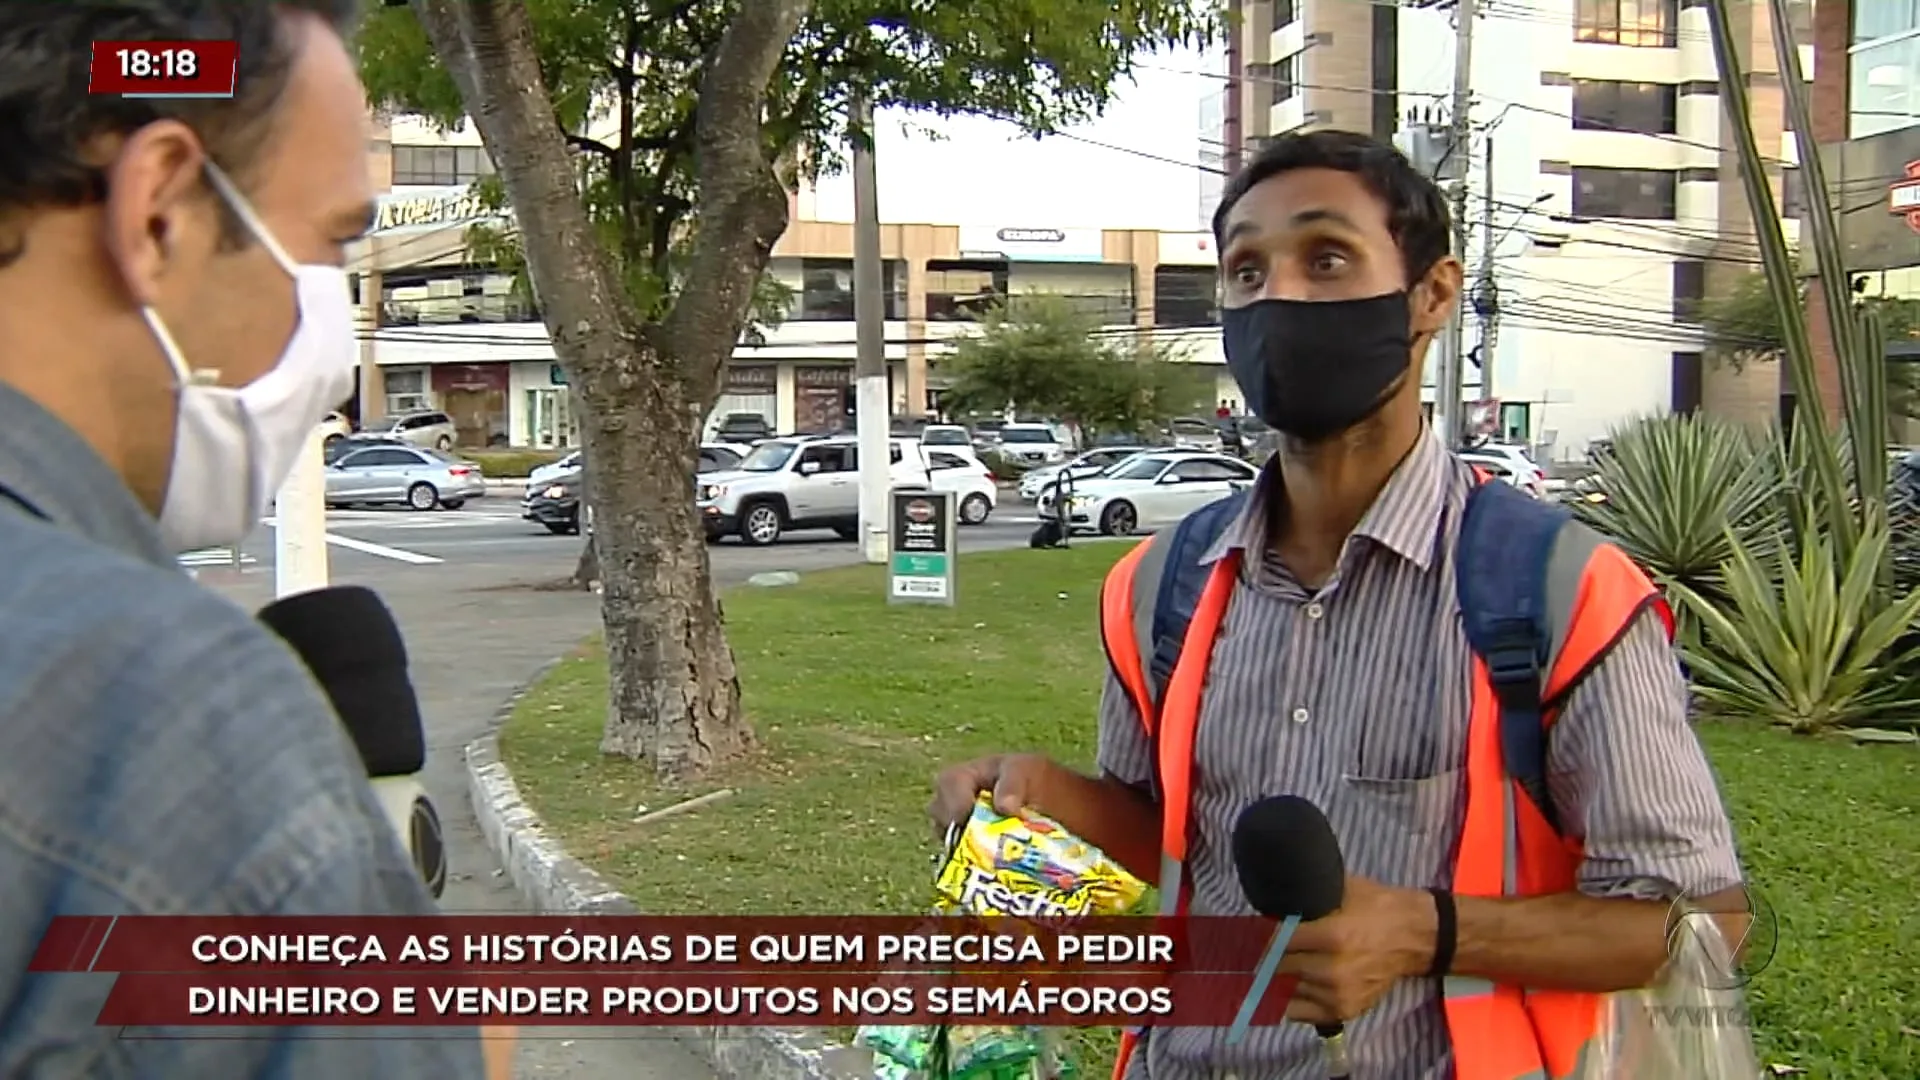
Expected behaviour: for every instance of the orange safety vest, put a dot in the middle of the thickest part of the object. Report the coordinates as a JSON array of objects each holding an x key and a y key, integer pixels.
[{"x": 1508, "y": 847}]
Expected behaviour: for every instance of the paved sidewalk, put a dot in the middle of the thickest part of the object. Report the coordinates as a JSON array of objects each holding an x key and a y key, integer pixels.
[{"x": 471, "y": 645}]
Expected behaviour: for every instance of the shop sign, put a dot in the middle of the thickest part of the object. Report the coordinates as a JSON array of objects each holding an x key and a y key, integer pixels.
[
  {"x": 1017, "y": 243},
  {"x": 455, "y": 206},
  {"x": 1903, "y": 196},
  {"x": 749, "y": 379},
  {"x": 822, "y": 376},
  {"x": 920, "y": 569}
]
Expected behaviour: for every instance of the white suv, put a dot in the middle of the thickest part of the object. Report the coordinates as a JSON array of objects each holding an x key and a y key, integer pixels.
[{"x": 799, "y": 482}]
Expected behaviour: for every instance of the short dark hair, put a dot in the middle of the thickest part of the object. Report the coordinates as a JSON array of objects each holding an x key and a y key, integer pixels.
[
  {"x": 1417, "y": 215},
  {"x": 48, "y": 120}
]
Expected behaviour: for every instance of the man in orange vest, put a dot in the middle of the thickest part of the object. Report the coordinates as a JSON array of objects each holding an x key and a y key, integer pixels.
[{"x": 1480, "y": 695}]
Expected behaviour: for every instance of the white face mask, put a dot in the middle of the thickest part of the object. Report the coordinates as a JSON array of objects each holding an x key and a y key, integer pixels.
[{"x": 233, "y": 446}]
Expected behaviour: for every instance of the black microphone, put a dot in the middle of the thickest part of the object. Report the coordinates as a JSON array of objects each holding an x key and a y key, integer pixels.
[
  {"x": 349, "y": 641},
  {"x": 1290, "y": 867}
]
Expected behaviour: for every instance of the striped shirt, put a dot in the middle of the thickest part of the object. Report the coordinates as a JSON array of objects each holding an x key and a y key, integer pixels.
[{"x": 1356, "y": 697}]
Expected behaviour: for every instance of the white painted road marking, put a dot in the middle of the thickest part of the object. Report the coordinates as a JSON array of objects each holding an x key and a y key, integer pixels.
[
  {"x": 382, "y": 550},
  {"x": 213, "y": 557}
]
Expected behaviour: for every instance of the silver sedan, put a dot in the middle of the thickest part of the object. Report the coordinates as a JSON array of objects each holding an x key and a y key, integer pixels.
[{"x": 411, "y": 476}]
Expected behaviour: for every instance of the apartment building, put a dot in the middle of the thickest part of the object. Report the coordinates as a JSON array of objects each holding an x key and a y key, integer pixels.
[
  {"x": 1603, "y": 207},
  {"x": 441, "y": 331}
]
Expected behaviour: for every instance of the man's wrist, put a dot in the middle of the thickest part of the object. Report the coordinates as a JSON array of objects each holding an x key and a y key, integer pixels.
[{"x": 1422, "y": 933}]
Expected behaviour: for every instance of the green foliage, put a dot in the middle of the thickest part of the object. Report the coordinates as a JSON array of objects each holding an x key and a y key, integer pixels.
[
  {"x": 1745, "y": 324},
  {"x": 1801, "y": 642},
  {"x": 1040, "y": 354},
  {"x": 1684, "y": 493},
  {"x": 628, "y": 73}
]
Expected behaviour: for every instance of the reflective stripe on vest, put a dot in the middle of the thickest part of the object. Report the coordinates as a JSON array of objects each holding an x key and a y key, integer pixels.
[{"x": 1507, "y": 847}]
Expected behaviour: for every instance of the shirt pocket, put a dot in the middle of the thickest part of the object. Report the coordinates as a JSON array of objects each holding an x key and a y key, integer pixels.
[{"x": 1399, "y": 831}]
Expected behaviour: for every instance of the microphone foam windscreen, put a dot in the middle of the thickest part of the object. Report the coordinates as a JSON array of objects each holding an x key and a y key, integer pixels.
[
  {"x": 349, "y": 641},
  {"x": 1288, "y": 859}
]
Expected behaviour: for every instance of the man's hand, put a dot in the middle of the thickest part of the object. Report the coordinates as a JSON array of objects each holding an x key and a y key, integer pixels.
[
  {"x": 1014, "y": 779},
  {"x": 1347, "y": 960}
]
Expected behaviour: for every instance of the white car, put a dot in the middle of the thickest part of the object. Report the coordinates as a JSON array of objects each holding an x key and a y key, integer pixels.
[
  {"x": 545, "y": 474},
  {"x": 975, "y": 492},
  {"x": 1510, "y": 463},
  {"x": 1086, "y": 466},
  {"x": 1149, "y": 491},
  {"x": 948, "y": 438},
  {"x": 1190, "y": 433},
  {"x": 1031, "y": 444}
]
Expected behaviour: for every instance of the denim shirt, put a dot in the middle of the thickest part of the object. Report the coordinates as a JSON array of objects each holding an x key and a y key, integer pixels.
[{"x": 161, "y": 753}]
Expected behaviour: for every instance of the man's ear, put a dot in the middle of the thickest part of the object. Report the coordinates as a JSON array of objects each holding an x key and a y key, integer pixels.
[
  {"x": 1433, "y": 299},
  {"x": 153, "y": 187}
]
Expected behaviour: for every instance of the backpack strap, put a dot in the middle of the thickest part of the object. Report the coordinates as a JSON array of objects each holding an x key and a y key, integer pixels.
[
  {"x": 1519, "y": 570},
  {"x": 1182, "y": 579}
]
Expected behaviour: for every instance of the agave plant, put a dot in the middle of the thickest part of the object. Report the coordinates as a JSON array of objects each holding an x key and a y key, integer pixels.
[
  {"x": 1683, "y": 494},
  {"x": 1798, "y": 642}
]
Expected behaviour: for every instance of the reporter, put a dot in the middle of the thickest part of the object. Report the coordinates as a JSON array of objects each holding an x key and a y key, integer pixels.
[{"x": 174, "y": 321}]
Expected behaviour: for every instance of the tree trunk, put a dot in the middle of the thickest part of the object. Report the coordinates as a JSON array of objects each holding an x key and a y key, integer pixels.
[{"x": 673, "y": 696}]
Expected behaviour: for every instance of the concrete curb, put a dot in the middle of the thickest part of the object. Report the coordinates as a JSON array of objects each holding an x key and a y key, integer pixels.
[{"x": 555, "y": 882}]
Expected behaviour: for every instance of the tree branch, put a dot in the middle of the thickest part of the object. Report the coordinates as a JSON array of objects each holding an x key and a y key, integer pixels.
[
  {"x": 581, "y": 142},
  {"x": 488, "y": 46},
  {"x": 740, "y": 208}
]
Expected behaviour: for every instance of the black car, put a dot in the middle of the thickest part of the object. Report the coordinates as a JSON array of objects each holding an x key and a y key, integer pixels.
[
  {"x": 556, "y": 504},
  {"x": 743, "y": 428}
]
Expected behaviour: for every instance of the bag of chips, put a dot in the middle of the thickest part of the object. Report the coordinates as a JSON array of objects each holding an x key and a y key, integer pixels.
[{"x": 1025, "y": 866}]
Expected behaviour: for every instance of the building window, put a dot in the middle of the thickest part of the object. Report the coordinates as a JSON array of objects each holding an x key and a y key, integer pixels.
[
  {"x": 1688, "y": 381},
  {"x": 406, "y": 390},
  {"x": 1642, "y": 23},
  {"x": 1793, "y": 193},
  {"x": 439, "y": 166},
  {"x": 1884, "y": 87},
  {"x": 1516, "y": 422},
  {"x": 1689, "y": 288},
  {"x": 1283, "y": 13},
  {"x": 1642, "y": 108},
  {"x": 1623, "y": 193},
  {"x": 960, "y": 291},
  {"x": 826, "y": 290},
  {"x": 1185, "y": 296},
  {"x": 1876, "y": 19},
  {"x": 453, "y": 296},
  {"x": 1283, "y": 79}
]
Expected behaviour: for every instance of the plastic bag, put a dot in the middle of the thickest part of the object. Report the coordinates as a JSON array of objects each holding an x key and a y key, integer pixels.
[{"x": 1690, "y": 1025}]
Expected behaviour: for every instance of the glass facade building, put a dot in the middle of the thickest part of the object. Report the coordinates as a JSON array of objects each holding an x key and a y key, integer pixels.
[{"x": 1884, "y": 67}]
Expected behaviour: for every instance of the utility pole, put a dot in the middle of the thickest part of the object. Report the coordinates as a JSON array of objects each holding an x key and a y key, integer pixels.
[
  {"x": 1486, "y": 295},
  {"x": 873, "y": 405},
  {"x": 300, "y": 523},
  {"x": 1447, "y": 390}
]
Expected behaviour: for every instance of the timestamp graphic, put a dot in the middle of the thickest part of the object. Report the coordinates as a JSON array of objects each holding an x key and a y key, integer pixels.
[{"x": 163, "y": 69}]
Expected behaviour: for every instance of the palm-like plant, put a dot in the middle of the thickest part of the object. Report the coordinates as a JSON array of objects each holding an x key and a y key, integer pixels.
[
  {"x": 1683, "y": 494},
  {"x": 1799, "y": 641}
]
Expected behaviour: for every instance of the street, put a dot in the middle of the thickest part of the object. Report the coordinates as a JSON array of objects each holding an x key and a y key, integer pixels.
[{"x": 465, "y": 586}]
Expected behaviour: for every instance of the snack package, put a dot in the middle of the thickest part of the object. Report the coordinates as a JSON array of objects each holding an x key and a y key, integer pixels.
[
  {"x": 1027, "y": 867},
  {"x": 1031, "y": 867}
]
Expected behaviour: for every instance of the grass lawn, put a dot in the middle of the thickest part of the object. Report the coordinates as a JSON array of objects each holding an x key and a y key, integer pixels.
[{"x": 858, "y": 703}]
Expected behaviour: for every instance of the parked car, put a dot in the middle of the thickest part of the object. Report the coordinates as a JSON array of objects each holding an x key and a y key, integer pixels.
[
  {"x": 1520, "y": 471},
  {"x": 1193, "y": 433},
  {"x": 1147, "y": 491},
  {"x": 335, "y": 449},
  {"x": 544, "y": 474},
  {"x": 390, "y": 474},
  {"x": 742, "y": 427},
  {"x": 555, "y": 503},
  {"x": 719, "y": 457},
  {"x": 1087, "y": 465},
  {"x": 799, "y": 482},
  {"x": 949, "y": 437},
  {"x": 431, "y": 429},
  {"x": 975, "y": 492},
  {"x": 335, "y": 426},
  {"x": 1031, "y": 444}
]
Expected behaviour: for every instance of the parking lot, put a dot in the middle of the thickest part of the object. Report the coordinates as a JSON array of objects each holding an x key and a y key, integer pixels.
[{"x": 487, "y": 540}]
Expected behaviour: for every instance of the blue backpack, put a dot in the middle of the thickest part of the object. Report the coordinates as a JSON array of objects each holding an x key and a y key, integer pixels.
[{"x": 1519, "y": 565}]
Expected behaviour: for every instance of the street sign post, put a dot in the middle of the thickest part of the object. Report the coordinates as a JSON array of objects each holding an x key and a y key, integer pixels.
[{"x": 920, "y": 566}]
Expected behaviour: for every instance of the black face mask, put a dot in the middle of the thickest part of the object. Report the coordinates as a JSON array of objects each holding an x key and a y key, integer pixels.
[{"x": 1314, "y": 368}]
